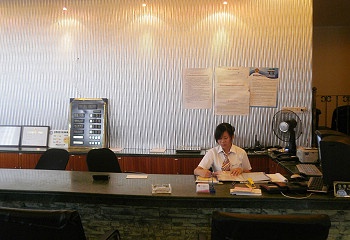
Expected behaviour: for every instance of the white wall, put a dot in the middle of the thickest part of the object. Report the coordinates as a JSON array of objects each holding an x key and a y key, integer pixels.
[{"x": 134, "y": 56}]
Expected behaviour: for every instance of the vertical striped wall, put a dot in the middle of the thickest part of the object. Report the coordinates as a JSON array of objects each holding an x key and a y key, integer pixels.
[{"x": 135, "y": 55}]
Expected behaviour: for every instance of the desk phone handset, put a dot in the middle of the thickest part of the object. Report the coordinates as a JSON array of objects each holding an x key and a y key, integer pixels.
[
  {"x": 276, "y": 187},
  {"x": 286, "y": 157}
]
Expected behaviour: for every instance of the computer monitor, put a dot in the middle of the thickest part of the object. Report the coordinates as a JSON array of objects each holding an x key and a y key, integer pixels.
[
  {"x": 335, "y": 152},
  {"x": 321, "y": 133}
]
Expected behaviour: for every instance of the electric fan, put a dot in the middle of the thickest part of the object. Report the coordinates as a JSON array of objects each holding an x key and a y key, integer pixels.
[{"x": 287, "y": 126}]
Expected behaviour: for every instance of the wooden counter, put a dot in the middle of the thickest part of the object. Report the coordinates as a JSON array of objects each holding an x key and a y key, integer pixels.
[
  {"x": 128, "y": 204},
  {"x": 136, "y": 160}
]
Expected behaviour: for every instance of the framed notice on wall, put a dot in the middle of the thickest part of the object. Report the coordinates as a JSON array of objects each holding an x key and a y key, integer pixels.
[
  {"x": 35, "y": 136},
  {"x": 10, "y": 136}
]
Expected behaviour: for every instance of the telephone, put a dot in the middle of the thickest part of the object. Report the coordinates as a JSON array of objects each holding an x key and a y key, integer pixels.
[
  {"x": 286, "y": 157},
  {"x": 291, "y": 187}
]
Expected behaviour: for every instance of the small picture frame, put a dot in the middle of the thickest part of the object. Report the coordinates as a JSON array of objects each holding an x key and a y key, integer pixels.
[
  {"x": 35, "y": 136},
  {"x": 341, "y": 189}
]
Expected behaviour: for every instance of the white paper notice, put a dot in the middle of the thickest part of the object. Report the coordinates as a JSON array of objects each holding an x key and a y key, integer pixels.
[
  {"x": 58, "y": 138},
  {"x": 197, "y": 89},
  {"x": 231, "y": 91},
  {"x": 263, "y": 87}
]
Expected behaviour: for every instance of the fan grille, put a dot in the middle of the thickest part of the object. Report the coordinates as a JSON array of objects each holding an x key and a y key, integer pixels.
[{"x": 282, "y": 120}]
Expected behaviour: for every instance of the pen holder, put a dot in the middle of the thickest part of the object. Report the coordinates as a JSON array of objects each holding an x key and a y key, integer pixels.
[{"x": 212, "y": 189}]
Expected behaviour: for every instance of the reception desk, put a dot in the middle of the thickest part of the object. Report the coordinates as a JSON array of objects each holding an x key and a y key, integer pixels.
[
  {"x": 128, "y": 204},
  {"x": 136, "y": 160}
]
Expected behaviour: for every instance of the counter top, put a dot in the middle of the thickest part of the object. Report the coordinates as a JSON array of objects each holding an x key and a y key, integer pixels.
[
  {"x": 123, "y": 152},
  {"x": 73, "y": 186}
]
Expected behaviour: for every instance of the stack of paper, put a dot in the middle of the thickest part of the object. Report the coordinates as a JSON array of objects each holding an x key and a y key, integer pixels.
[
  {"x": 257, "y": 177},
  {"x": 200, "y": 179},
  {"x": 157, "y": 150},
  {"x": 245, "y": 191},
  {"x": 277, "y": 177}
]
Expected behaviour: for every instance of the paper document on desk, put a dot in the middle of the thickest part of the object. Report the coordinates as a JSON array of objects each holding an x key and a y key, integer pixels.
[
  {"x": 200, "y": 179},
  {"x": 257, "y": 177},
  {"x": 136, "y": 176},
  {"x": 277, "y": 177},
  {"x": 157, "y": 150},
  {"x": 243, "y": 191}
]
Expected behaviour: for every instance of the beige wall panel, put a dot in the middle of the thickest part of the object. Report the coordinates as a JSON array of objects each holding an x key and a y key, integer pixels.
[{"x": 135, "y": 56}]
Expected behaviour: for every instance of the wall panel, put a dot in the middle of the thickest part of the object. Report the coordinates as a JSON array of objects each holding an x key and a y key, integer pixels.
[{"x": 134, "y": 56}]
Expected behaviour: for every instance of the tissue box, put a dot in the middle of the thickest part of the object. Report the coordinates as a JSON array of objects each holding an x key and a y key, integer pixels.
[
  {"x": 202, "y": 188},
  {"x": 307, "y": 155}
]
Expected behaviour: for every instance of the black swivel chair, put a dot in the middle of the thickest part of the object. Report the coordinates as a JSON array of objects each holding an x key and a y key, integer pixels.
[
  {"x": 53, "y": 159},
  {"x": 102, "y": 160},
  {"x": 341, "y": 119},
  {"x": 33, "y": 224},
  {"x": 239, "y": 226}
]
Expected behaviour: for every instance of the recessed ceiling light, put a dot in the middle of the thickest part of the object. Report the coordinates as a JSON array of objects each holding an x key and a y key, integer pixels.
[
  {"x": 144, "y": 4},
  {"x": 65, "y": 9},
  {"x": 225, "y": 2}
]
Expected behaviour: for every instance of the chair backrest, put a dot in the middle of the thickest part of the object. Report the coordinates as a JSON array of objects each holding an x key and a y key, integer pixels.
[
  {"x": 102, "y": 160},
  {"x": 40, "y": 224},
  {"x": 341, "y": 119},
  {"x": 53, "y": 159},
  {"x": 270, "y": 227}
]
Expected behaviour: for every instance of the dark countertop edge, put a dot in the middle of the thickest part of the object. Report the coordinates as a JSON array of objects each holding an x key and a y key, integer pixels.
[
  {"x": 125, "y": 152},
  {"x": 181, "y": 202}
]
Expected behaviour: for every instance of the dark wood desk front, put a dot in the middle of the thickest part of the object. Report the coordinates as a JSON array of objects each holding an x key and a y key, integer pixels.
[
  {"x": 137, "y": 160},
  {"x": 128, "y": 204}
]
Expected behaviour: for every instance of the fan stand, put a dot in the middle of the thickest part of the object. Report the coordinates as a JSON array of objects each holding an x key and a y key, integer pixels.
[
  {"x": 287, "y": 127},
  {"x": 292, "y": 146}
]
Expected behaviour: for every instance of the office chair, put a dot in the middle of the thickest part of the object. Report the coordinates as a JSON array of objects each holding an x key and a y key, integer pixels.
[
  {"x": 238, "y": 226},
  {"x": 53, "y": 159},
  {"x": 341, "y": 119},
  {"x": 30, "y": 224},
  {"x": 102, "y": 160}
]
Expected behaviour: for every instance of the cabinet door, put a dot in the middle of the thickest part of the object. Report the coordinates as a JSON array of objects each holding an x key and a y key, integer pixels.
[
  {"x": 165, "y": 165},
  {"x": 77, "y": 163},
  {"x": 135, "y": 164},
  {"x": 259, "y": 163},
  {"x": 28, "y": 160},
  {"x": 188, "y": 165},
  {"x": 9, "y": 160}
]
